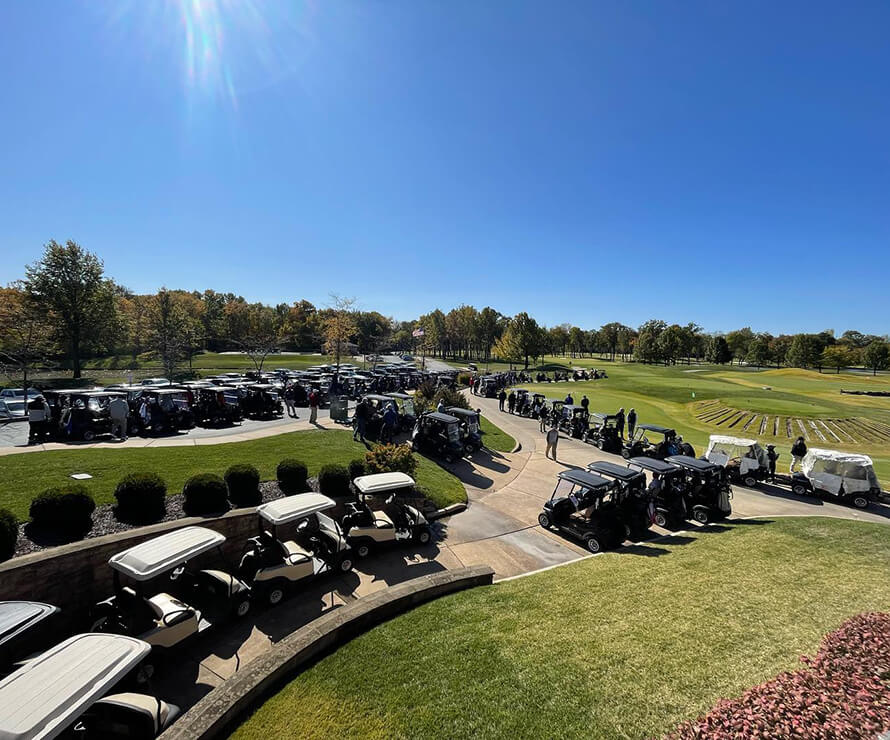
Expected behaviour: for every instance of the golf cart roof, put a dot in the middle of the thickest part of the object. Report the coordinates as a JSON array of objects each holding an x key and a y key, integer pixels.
[
  {"x": 601, "y": 415},
  {"x": 653, "y": 466},
  {"x": 403, "y": 396},
  {"x": 291, "y": 508},
  {"x": 17, "y": 617},
  {"x": 655, "y": 428},
  {"x": 844, "y": 457},
  {"x": 377, "y": 397},
  {"x": 159, "y": 554},
  {"x": 692, "y": 463},
  {"x": 44, "y": 696},
  {"x": 444, "y": 418},
  {"x": 723, "y": 439},
  {"x": 457, "y": 411},
  {"x": 584, "y": 478},
  {"x": 614, "y": 470},
  {"x": 382, "y": 482}
]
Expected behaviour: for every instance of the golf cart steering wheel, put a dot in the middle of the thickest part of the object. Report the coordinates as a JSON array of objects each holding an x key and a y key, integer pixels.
[{"x": 177, "y": 572}]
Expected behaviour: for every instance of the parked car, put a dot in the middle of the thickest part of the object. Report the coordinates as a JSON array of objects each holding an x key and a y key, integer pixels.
[
  {"x": 65, "y": 692},
  {"x": 13, "y": 404},
  {"x": 670, "y": 500},
  {"x": 602, "y": 432},
  {"x": 159, "y": 598},
  {"x": 24, "y": 629},
  {"x": 744, "y": 459},
  {"x": 275, "y": 562},
  {"x": 585, "y": 507},
  {"x": 470, "y": 430},
  {"x": 669, "y": 443},
  {"x": 397, "y": 522},
  {"x": 154, "y": 381},
  {"x": 843, "y": 476},
  {"x": 438, "y": 434},
  {"x": 708, "y": 492}
]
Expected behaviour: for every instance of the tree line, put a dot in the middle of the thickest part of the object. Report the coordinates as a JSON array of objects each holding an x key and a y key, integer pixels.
[{"x": 66, "y": 310}]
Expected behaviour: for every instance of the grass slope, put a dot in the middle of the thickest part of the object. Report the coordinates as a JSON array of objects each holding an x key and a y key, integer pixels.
[
  {"x": 24, "y": 476},
  {"x": 495, "y": 438},
  {"x": 617, "y": 646}
]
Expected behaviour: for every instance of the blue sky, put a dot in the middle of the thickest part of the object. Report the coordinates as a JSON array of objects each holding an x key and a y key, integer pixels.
[{"x": 719, "y": 162}]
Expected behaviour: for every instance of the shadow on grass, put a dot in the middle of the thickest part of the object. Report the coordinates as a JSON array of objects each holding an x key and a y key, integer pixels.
[{"x": 649, "y": 551}]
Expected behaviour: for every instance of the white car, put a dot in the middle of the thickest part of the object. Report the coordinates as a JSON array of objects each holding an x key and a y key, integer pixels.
[{"x": 155, "y": 381}]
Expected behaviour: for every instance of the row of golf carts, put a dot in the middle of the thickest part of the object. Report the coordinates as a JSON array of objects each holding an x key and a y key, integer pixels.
[{"x": 169, "y": 589}]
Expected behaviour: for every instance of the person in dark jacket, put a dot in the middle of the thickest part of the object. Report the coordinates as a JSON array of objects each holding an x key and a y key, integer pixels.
[
  {"x": 631, "y": 422},
  {"x": 772, "y": 456},
  {"x": 361, "y": 419},
  {"x": 619, "y": 422},
  {"x": 798, "y": 450},
  {"x": 585, "y": 404},
  {"x": 511, "y": 401},
  {"x": 502, "y": 396}
]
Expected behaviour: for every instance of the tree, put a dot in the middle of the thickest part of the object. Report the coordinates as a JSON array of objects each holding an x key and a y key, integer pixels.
[
  {"x": 876, "y": 356},
  {"x": 168, "y": 327},
  {"x": 300, "y": 326},
  {"x": 805, "y": 351},
  {"x": 670, "y": 344},
  {"x": 647, "y": 348},
  {"x": 69, "y": 283},
  {"x": 521, "y": 340},
  {"x": 778, "y": 348},
  {"x": 339, "y": 325},
  {"x": 758, "y": 351},
  {"x": 490, "y": 328},
  {"x": 25, "y": 333},
  {"x": 260, "y": 334},
  {"x": 576, "y": 341},
  {"x": 717, "y": 351},
  {"x": 838, "y": 356},
  {"x": 739, "y": 341},
  {"x": 559, "y": 339}
]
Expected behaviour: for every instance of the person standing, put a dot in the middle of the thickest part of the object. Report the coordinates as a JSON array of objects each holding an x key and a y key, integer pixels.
[
  {"x": 361, "y": 419},
  {"x": 502, "y": 396},
  {"x": 37, "y": 417},
  {"x": 511, "y": 401},
  {"x": 313, "y": 406},
  {"x": 619, "y": 422},
  {"x": 119, "y": 410},
  {"x": 289, "y": 401},
  {"x": 569, "y": 400},
  {"x": 543, "y": 418},
  {"x": 585, "y": 404},
  {"x": 552, "y": 438},
  {"x": 798, "y": 450},
  {"x": 631, "y": 422},
  {"x": 772, "y": 456}
]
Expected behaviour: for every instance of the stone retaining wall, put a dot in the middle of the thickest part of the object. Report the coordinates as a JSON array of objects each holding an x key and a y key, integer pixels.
[{"x": 220, "y": 710}]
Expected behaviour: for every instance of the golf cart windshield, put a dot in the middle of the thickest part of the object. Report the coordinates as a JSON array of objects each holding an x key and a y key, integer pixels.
[
  {"x": 408, "y": 406},
  {"x": 452, "y": 431},
  {"x": 831, "y": 470},
  {"x": 723, "y": 450}
]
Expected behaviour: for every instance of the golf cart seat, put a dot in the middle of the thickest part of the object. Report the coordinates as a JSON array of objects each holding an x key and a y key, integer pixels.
[
  {"x": 382, "y": 519},
  {"x": 169, "y": 610},
  {"x": 294, "y": 553},
  {"x": 359, "y": 515}
]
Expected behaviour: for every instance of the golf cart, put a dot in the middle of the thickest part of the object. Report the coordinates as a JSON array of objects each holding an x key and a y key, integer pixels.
[
  {"x": 376, "y": 406},
  {"x": 367, "y": 529},
  {"x": 169, "y": 409},
  {"x": 168, "y": 602},
  {"x": 86, "y": 415},
  {"x": 707, "y": 492},
  {"x": 556, "y": 410},
  {"x": 23, "y": 630},
  {"x": 602, "y": 433},
  {"x": 438, "y": 434},
  {"x": 64, "y": 693},
  {"x": 217, "y": 405},
  {"x": 630, "y": 489},
  {"x": 669, "y": 501},
  {"x": 273, "y": 564},
  {"x": 670, "y": 444},
  {"x": 470, "y": 433},
  {"x": 523, "y": 405},
  {"x": 744, "y": 459},
  {"x": 489, "y": 386},
  {"x": 573, "y": 421},
  {"x": 845, "y": 476},
  {"x": 405, "y": 407},
  {"x": 262, "y": 401},
  {"x": 585, "y": 507}
]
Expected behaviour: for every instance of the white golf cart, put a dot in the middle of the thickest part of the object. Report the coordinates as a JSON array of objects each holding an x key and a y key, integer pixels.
[
  {"x": 744, "y": 459},
  {"x": 272, "y": 564},
  {"x": 64, "y": 693},
  {"x": 397, "y": 522},
  {"x": 845, "y": 476},
  {"x": 22, "y": 630},
  {"x": 168, "y": 602}
]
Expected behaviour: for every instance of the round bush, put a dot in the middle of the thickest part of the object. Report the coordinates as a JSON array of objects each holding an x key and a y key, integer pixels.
[
  {"x": 205, "y": 494},
  {"x": 292, "y": 476},
  {"x": 243, "y": 482},
  {"x": 9, "y": 533},
  {"x": 333, "y": 480},
  {"x": 141, "y": 497},
  {"x": 357, "y": 468},
  {"x": 65, "y": 509},
  {"x": 391, "y": 459}
]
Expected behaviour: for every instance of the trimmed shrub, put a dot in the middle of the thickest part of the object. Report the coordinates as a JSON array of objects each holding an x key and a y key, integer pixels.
[
  {"x": 205, "y": 494},
  {"x": 450, "y": 397},
  {"x": 334, "y": 480},
  {"x": 141, "y": 497},
  {"x": 243, "y": 482},
  {"x": 64, "y": 509},
  {"x": 463, "y": 379},
  {"x": 292, "y": 476},
  {"x": 390, "y": 459},
  {"x": 9, "y": 533},
  {"x": 357, "y": 468}
]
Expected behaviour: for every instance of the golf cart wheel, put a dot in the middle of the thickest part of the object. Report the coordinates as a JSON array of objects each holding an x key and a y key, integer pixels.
[
  {"x": 363, "y": 549},
  {"x": 346, "y": 564},
  {"x": 242, "y": 607},
  {"x": 544, "y": 520},
  {"x": 661, "y": 519},
  {"x": 88, "y": 436},
  {"x": 423, "y": 536},
  {"x": 469, "y": 450},
  {"x": 592, "y": 544},
  {"x": 701, "y": 516},
  {"x": 799, "y": 489},
  {"x": 625, "y": 453},
  {"x": 860, "y": 502},
  {"x": 274, "y": 596},
  {"x": 750, "y": 481}
]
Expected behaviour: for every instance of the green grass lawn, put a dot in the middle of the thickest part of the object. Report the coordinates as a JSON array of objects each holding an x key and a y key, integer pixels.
[
  {"x": 495, "y": 438},
  {"x": 616, "y": 646},
  {"x": 26, "y": 475}
]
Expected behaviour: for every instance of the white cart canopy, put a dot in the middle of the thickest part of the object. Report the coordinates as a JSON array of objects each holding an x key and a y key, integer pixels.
[
  {"x": 156, "y": 556},
  {"x": 723, "y": 448},
  {"x": 830, "y": 469},
  {"x": 382, "y": 482},
  {"x": 17, "y": 617},
  {"x": 291, "y": 508},
  {"x": 48, "y": 693}
]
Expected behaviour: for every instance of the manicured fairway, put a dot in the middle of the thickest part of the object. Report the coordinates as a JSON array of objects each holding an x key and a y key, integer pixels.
[
  {"x": 623, "y": 645},
  {"x": 26, "y": 475}
]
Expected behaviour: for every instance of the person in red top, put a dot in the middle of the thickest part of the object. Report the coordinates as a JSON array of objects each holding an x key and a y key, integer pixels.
[{"x": 313, "y": 406}]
